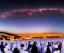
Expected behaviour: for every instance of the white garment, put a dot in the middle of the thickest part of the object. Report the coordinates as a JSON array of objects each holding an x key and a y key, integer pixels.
[
  {"x": 14, "y": 46},
  {"x": 56, "y": 51},
  {"x": 44, "y": 50},
  {"x": 39, "y": 47},
  {"x": 18, "y": 46},
  {"x": 0, "y": 51},
  {"x": 24, "y": 52},
  {"x": 62, "y": 47},
  {"x": 6, "y": 49},
  {"x": 56, "y": 46}
]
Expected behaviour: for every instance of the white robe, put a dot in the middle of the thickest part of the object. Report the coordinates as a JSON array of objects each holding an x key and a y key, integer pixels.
[
  {"x": 56, "y": 51},
  {"x": 24, "y": 52},
  {"x": 39, "y": 47},
  {"x": 0, "y": 51},
  {"x": 18, "y": 46},
  {"x": 62, "y": 49},
  {"x": 14, "y": 46},
  {"x": 6, "y": 49}
]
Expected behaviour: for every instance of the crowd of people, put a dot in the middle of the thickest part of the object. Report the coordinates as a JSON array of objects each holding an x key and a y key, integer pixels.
[{"x": 32, "y": 47}]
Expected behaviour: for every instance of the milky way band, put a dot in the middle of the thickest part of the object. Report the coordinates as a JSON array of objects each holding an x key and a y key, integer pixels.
[{"x": 30, "y": 11}]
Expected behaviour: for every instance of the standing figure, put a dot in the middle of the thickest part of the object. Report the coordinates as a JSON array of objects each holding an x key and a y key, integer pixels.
[
  {"x": 2, "y": 47},
  {"x": 34, "y": 48}
]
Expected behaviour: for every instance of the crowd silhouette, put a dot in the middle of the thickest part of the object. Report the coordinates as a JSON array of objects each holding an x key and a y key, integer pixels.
[{"x": 32, "y": 47}]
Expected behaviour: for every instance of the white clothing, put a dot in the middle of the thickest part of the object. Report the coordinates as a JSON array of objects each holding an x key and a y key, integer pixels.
[
  {"x": 24, "y": 52},
  {"x": 56, "y": 51}
]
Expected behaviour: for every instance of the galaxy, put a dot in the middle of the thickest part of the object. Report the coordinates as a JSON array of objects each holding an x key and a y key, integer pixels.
[
  {"x": 30, "y": 11},
  {"x": 31, "y": 16}
]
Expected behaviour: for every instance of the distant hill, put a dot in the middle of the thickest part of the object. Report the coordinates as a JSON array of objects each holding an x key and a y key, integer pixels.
[{"x": 7, "y": 33}]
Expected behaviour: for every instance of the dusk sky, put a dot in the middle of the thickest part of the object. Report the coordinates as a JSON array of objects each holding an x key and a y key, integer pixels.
[{"x": 39, "y": 22}]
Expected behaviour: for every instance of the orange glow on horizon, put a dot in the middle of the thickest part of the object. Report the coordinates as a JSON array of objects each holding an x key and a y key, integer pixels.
[{"x": 33, "y": 32}]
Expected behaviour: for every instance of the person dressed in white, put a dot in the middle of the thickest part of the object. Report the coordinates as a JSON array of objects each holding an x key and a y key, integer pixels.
[
  {"x": 39, "y": 48},
  {"x": 14, "y": 46},
  {"x": 7, "y": 49},
  {"x": 62, "y": 50},
  {"x": 56, "y": 49},
  {"x": 18, "y": 46},
  {"x": 24, "y": 50}
]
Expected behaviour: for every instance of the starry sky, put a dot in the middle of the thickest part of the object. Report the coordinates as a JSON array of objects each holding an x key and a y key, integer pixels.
[
  {"x": 14, "y": 4},
  {"x": 39, "y": 22}
]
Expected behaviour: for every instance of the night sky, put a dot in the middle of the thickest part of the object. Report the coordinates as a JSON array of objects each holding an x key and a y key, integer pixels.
[{"x": 39, "y": 22}]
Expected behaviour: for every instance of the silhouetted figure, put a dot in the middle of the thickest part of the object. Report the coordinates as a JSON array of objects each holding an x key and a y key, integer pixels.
[
  {"x": 48, "y": 49},
  {"x": 2, "y": 47},
  {"x": 16, "y": 50},
  {"x": 34, "y": 48},
  {"x": 22, "y": 45},
  {"x": 29, "y": 45}
]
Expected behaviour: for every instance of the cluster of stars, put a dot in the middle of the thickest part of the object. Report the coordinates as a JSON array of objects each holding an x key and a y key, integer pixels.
[{"x": 30, "y": 11}]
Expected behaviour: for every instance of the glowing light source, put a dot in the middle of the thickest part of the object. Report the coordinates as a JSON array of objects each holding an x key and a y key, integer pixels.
[{"x": 30, "y": 13}]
